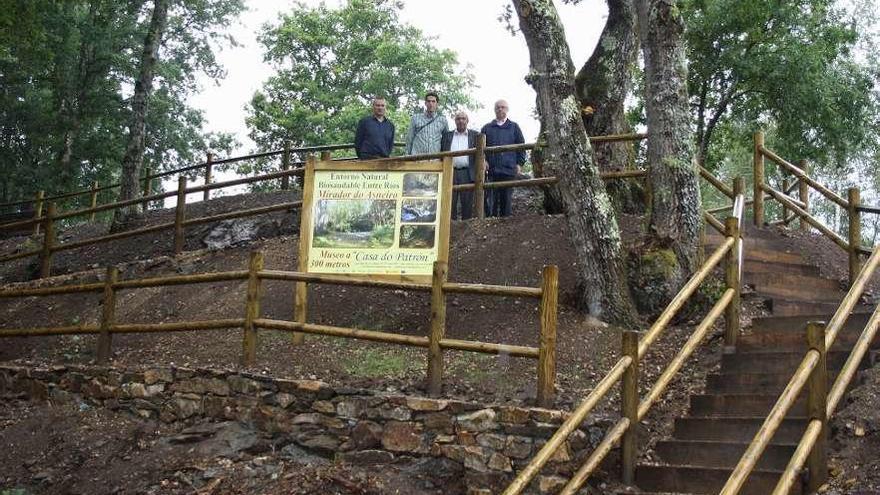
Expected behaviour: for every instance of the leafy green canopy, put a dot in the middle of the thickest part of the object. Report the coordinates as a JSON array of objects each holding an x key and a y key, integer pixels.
[
  {"x": 66, "y": 73},
  {"x": 791, "y": 66},
  {"x": 331, "y": 62}
]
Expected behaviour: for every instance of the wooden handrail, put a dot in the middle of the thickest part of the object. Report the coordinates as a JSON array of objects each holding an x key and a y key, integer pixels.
[
  {"x": 565, "y": 430},
  {"x": 828, "y": 193},
  {"x": 807, "y": 217},
  {"x": 711, "y": 179},
  {"x": 630, "y": 362},
  {"x": 686, "y": 291}
]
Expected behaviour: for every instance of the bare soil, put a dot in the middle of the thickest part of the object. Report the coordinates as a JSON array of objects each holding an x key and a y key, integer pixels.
[{"x": 509, "y": 251}]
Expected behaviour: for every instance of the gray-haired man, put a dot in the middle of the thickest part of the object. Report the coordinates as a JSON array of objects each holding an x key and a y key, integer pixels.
[{"x": 461, "y": 138}]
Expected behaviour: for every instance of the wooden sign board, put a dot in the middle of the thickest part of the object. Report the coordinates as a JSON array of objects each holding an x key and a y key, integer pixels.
[{"x": 375, "y": 219}]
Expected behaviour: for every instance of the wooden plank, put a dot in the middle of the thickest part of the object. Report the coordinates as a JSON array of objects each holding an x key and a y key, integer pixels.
[
  {"x": 108, "y": 316},
  {"x": 629, "y": 407},
  {"x": 758, "y": 168},
  {"x": 817, "y": 401},
  {"x": 180, "y": 215},
  {"x": 438, "y": 329},
  {"x": 547, "y": 349},
  {"x": 252, "y": 310},
  {"x": 48, "y": 242},
  {"x": 300, "y": 294}
]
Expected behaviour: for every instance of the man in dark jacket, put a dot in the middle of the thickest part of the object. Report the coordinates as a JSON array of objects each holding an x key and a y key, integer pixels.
[
  {"x": 464, "y": 167},
  {"x": 375, "y": 134},
  {"x": 507, "y": 165}
]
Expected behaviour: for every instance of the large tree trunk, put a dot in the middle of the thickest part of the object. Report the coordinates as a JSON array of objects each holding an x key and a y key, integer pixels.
[
  {"x": 675, "y": 221},
  {"x": 134, "y": 150},
  {"x": 602, "y": 85},
  {"x": 568, "y": 155}
]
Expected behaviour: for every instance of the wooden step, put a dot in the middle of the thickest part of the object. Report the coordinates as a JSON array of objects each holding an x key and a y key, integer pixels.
[
  {"x": 791, "y": 279},
  {"x": 771, "y": 255},
  {"x": 798, "y": 323},
  {"x": 734, "y": 429},
  {"x": 722, "y": 405},
  {"x": 800, "y": 292},
  {"x": 781, "y": 306},
  {"x": 719, "y": 454},
  {"x": 755, "y": 266},
  {"x": 778, "y": 361},
  {"x": 751, "y": 383},
  {"x": 793, "y": 341},
  {"x": 701, "y": 480}
]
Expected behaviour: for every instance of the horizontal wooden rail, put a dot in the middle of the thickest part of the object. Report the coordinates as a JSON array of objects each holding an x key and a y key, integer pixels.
[
  {"x": 868, "y": 209},
  {"x": 678, "y": 301},
  {"x": 183, "y": 326},
  {"x": 796, "y": 171},
  {"x": 711, "y": 220},
  {"x": 243, "y": 213},
  {"x": 686, "y": 351},
  {"x": 721, "y": 209},
  {"x": 570, "y": 425},
  {"x": 23, "y": 254},
  {"x": 352, "y": 333},
  {"x": 113, "y": 237},
  {"x": 49, "y": 331},
  {"x": 326, "y": 278},
  {"x": 785, "y": 200},
  {"x": 711, "y": 179},
  {"x": 490, "y": 348},
  {"x": 498, "y": 290},
  {"x": 199, "y": 278},
  {"x": 51, "y": 291}
]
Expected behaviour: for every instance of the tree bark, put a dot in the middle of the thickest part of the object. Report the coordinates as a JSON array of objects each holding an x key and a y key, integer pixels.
[
  {"x": 134, "y": 150},
  {"x": 675, "y": 220},
  {"x": 567, "y": 154},
  {"x": 602, "y": 85}
]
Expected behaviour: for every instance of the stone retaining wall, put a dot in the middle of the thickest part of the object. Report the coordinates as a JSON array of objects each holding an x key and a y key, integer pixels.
[{"x": 352, "y": 425}]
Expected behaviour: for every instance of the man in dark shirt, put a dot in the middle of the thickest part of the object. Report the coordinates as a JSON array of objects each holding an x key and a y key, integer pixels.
[
  {"x": 503, "y": 166},
  {"x": 375, "y": 134}
]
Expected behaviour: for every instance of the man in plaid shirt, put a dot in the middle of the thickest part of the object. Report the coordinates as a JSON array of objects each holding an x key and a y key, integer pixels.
[{"x": 426, "y": 129}]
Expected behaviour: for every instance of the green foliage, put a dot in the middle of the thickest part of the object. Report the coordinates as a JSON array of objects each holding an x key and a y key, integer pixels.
[
  {"x": 378, "y": 363},
  {"x": 330, "y": 63},
  {"x": 792, "y": 66},
  {"x": 66, "y": 71}
]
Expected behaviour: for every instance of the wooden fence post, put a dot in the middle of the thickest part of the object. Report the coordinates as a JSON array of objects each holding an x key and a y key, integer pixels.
[
  {"x": 93, "y": 201},
  {"x": 285, "y": 166},
  {"x": 108, "y": 316},
  {"x": 208, "y": 170},
  {"x": 629, "y": 394},
  {"x": 252, "y": 310},
  {"x": 786, "y": 184},
  {"x": 180, "y": 215},
  {"x": 148, "y": 188},
  {"x": 817, "y": 402},
  {"x": 855, "y": 232},
  {"x": 38, "y": 210},
  {"x": 438, "y": 329},
  {"x": 759, "y": 180},
  {"x": 480, "y": 179},
  {"x": 731, "y": 279},
  {"x": 804, "y": 193},
  {"x": 547, "y": 347},
  {"x": 48, "y": 241}
]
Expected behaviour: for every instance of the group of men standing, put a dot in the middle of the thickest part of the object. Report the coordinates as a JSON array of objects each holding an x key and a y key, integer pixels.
[{"x": 429, "y": 133}]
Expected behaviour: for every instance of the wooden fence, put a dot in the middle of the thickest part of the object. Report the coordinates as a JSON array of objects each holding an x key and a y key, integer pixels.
[
  {"x": 626, "y": 370},
  {"x": 52, "y": 216},
  {"x": 800, "y": 207},
  {"x": 436, "y": 342}
]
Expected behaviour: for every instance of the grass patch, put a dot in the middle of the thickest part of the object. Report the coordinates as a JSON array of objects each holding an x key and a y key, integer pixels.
[{"x": 378, "y": 363}]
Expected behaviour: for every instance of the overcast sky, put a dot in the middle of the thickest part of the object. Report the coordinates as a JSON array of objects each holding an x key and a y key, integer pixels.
[{"x": 469, "y": 27}]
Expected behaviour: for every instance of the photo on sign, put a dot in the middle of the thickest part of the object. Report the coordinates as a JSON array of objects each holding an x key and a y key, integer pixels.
[
  {"x": 416, "y": 236},
  {"x": 421, "y": 184},
  {"x": 362, "y": 223},
  {"x": 418, "y": 211}
]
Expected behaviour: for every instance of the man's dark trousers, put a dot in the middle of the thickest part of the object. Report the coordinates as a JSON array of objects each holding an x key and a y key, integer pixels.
[
  {"x": 463, "y": 198},
  {"x": 502, "y": 197}
]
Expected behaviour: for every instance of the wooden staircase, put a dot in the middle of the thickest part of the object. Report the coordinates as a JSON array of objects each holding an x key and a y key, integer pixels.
[{"x": 708, "y": 442}]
